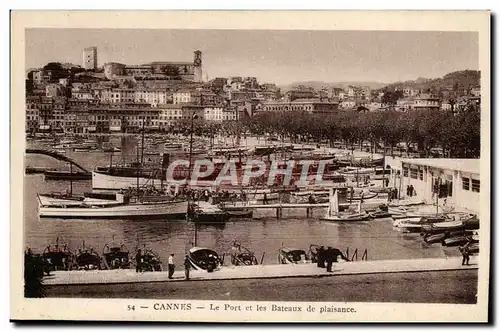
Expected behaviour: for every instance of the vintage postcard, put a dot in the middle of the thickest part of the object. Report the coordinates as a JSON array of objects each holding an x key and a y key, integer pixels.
[{"x": 250, "y": 166}]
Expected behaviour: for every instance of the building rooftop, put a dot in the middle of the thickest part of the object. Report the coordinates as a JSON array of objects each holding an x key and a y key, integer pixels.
[{"x": 463, "y": 165}]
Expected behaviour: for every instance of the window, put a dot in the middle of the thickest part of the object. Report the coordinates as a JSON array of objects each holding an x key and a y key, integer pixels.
[
  {"x": 465, "y": 183},
  {"x": 449, "y": 188},
  {"x": 475, "y": 185},
  {"x": 413, "y": 173},
  {"x": 421, "y": 174}
]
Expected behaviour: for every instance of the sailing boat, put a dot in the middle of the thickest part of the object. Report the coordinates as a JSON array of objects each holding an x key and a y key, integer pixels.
[{"x": 333, "y": 213}]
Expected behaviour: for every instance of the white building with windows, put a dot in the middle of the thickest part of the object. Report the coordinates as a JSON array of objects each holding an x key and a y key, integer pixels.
[
  {"x": 458, "y": 180},
  {"x": 182, "y": 96},
  {"x": 169, "y": 114}
]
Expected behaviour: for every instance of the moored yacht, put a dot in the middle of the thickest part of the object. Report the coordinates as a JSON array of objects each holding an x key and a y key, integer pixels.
[{"x": 122, "y": 208}]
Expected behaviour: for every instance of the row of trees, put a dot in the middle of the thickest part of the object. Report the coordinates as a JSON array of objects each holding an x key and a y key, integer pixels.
[{"x": 456, "y": 133}]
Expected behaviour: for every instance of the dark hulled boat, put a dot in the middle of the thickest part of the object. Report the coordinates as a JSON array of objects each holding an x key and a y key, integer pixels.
[
  {"x": 87, "y": 259},
  {"x": 67, "y": 175},
  {"x": 58, "y": 257},
  {"x": 204, "y": 259},
  {"x": 116, "y": 256}
]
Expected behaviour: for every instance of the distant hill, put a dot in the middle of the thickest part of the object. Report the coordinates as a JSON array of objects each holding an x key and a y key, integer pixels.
[
  {"x": 453, "y": 81},
  {"x": 318, "y": 85},
  {"x": 456, "y": 80}
]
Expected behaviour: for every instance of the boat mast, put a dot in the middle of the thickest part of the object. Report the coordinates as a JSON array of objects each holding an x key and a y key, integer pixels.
[
  {"x": 142, "y": 144},
  {"x": 70, "y": 179},
  {"x": 137, "y": 168}
]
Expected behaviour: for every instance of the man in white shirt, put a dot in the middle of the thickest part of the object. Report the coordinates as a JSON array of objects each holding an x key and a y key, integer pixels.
[{"x": 171, "y": 266}]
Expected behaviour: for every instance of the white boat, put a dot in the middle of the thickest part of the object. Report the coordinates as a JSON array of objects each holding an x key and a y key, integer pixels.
[
  {"x": 356, "y": 171},
  {"x": 407, "y": 202},
  {"x": 121, "y": 209},
  {"x": 333, "y": 214},
  {"x": 56, "y": 199},
  {"x": 205, "y": 212}
]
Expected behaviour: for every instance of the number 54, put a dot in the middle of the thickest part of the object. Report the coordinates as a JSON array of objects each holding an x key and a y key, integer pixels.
[{"x": 130, "y": 307}]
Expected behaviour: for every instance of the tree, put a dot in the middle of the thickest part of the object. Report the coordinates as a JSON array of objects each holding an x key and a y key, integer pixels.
[
  {"x": 171, "y": 71},
  {"x": 391, "y": 97},
  {"x": 53, "y": 66}
]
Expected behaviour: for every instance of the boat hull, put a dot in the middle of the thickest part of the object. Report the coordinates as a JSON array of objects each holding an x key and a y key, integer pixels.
[
  {"x": 171, "y": 210},
  {"x": 111, "y": 182},
  {"x": 348, "y": 218},
  {"x": 62, "y": 175}
]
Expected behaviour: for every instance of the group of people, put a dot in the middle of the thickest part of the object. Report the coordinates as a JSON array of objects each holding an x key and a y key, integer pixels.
[
  {"x": 410, "y": 191},
  {"x": 326, "y": 257},
  {"x": 139, "y": 257},
  {"x": 392, "y": 194}
]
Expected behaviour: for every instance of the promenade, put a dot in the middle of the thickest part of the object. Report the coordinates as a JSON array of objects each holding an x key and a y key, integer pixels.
[{"x": 107, "y": 277}]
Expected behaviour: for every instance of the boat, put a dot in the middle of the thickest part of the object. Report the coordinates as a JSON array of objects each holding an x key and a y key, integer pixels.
[
  {"x": 435, "y": 238},
  {"x": 116, "y": 256},
  {"x": 441, "y": 227},
  {"x": 287, "y": 255},
  {"x": 150, "y": 260},
  {"x": 122, "y": 209},
  {"x": 406, "y": 202},
  {"x": 206, "y": 212},
  {"x": 455, "y": 241},
  {"x": 235, "y": 211},
  {"x": 244, "y": 256},
  {"x": 356, "y": 195},
  {"x": 87, "y": 259},
  {"x": 204, "y": 259},
  {"x": 83, "y": 148},
  {"x": 471, "y": 223},
  {"x": 37, "y": 170},
  {"x": 413, "y": 220},
  {"x": 381, "y": 212},
  {"x": 116, "y": 177},
  {"x": 67, "y": 175},
  {"x": 67, "y": 199},
  {"x": 410, "y": 228},
  {"x": 380, "y": 190},
  {"x": 355, "y": 171},
  {"x": 58, "y": 257},
  {"x": 111, "y": 149},
  {"x": 333, "y": 213}
]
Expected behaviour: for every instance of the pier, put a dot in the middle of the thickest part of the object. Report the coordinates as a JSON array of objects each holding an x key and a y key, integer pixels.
[
  {"x": 65, "y": 278},
  {"x": 308, "y": 207}
]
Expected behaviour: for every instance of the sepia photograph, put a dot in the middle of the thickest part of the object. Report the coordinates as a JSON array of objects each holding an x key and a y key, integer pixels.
[{"x": 179, "y": 166}]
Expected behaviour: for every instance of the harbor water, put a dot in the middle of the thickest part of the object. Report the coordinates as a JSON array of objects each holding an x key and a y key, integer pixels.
[{"x": 263, "y": 234}]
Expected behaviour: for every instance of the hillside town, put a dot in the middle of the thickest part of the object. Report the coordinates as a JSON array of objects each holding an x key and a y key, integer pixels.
[{"x": 121, "y": 98}]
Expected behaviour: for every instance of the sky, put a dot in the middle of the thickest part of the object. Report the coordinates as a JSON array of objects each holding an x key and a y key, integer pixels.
[{"x": 274, "y": 56}]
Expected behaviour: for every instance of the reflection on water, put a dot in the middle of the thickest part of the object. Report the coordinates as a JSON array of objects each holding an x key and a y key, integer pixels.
[{"x": 264, "y": 234}]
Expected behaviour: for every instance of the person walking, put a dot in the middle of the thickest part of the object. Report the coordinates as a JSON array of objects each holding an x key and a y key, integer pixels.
[
  {"x": 265, "y": 198},
  {"x": 465, "y": 254},
  {"x": 138, "y": 261},
  {"x": 171, "y": 266},
  {"x": 187, "y": 267}
]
